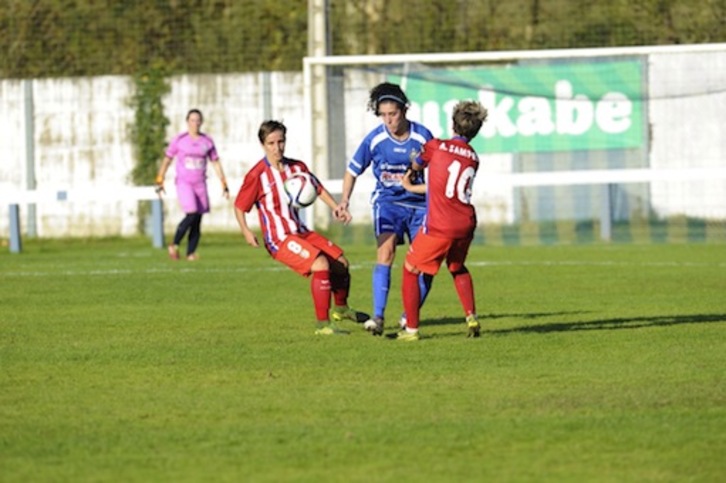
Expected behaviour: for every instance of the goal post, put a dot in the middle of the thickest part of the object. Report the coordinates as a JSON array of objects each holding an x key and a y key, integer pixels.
[{"x": 554, "y": 115}]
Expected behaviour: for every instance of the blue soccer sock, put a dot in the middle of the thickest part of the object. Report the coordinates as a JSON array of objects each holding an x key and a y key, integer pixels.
[
  {"x": 381, "y": 285},
  {"x": 424, "y": 284}
]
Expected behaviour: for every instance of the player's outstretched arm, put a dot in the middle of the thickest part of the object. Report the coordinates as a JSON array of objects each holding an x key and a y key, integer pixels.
[
  {"x": 408, "y": 182},
  {"x": 340, "y": 214},
  {"x": 342, "y": 208},
  {"x": 250, "y": 237}
]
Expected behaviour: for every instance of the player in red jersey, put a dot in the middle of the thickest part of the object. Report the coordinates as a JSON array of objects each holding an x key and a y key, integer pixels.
[
  {"x": 450, "y": 221},
  {"x": 287, "y": 238}
]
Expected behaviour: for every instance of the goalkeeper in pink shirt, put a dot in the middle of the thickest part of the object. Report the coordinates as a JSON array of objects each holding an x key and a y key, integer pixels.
[{"x": 193, "y": 150}]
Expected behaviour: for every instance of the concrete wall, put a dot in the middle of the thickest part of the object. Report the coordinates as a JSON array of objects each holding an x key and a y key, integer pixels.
[{"x": 82, "y": 139}]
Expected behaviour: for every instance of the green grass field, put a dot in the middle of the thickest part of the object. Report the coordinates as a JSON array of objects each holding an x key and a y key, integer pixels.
[{"x": 597, "y": 363}]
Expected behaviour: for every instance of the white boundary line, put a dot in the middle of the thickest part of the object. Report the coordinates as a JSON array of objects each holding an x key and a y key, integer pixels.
[{"x": 541, "y": 263}]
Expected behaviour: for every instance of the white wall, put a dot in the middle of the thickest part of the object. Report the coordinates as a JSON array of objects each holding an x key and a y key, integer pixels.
[
  {"x": 688, "y": 119},
  {"x": 82, "y": 139},
  {"x": 234, "y": 106},
  {"x": 12, "y": 138}
]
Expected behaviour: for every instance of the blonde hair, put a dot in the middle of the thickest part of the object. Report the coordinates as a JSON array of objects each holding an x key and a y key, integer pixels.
[{"x": 468, "y": 118}]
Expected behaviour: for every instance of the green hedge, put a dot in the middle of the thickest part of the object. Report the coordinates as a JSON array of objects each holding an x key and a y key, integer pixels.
[{"x": 51, "y": 38}]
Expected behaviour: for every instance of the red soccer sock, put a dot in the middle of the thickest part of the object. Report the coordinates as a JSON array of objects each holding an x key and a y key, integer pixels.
[
  {"x": 411, "y": 294},
  {"x": 320, "y": 288},
  {"x": 465, "y": 289},
  {"x": 340, "y": 285}
]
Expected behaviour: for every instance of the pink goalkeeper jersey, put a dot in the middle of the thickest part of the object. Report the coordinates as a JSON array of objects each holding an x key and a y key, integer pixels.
[
  {"x": 191, "y": 156},
  {"x": 452, "y": 165},
  {"x": 263, "y": 187}
]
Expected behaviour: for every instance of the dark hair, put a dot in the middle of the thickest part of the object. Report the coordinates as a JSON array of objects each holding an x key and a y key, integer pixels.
[
  {"x": 468, "y": 118},
  {"x": 195, "y": 111},
  {"x": 386, "y": 92},
  {"x": 268, "y": 127}
]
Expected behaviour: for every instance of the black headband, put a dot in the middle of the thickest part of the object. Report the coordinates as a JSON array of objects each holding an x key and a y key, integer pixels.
[{"x": 390, "y": 97}]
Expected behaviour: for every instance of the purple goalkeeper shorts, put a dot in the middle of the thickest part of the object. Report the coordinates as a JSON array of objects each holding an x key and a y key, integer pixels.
[{"x": 193, "y": 197}]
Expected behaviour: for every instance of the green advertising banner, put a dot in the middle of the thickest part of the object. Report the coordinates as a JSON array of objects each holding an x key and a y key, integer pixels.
[{"x": 549, "y": 107}]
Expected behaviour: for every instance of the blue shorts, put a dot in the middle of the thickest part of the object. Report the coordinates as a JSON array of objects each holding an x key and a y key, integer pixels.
[{"x": 403, "y": 220}]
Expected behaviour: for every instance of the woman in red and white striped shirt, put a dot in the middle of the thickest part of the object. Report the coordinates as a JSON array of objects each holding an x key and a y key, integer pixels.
[{"x": 286, "y": 237}]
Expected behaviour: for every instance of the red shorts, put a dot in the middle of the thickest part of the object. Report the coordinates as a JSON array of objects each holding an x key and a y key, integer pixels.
[
  {"x": 427, "y": 252},
  {"x": 300, "y": 251}
]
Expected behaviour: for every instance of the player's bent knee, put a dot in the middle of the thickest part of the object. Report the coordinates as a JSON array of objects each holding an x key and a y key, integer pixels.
[
  {"x": 320, "y": 264},
  {"x": 343, "y": 262},
  {"x": 339, "y": 266},
  {"x": 457, "y": 269},
  {"x": 411, "y": 268}
]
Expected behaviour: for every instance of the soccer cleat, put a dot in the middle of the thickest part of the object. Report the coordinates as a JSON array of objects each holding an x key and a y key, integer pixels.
[
  {"x": 340, "y": 314},
  {"x": 328, "y": 329},
  {"x": 407, "y": 336},
  {"x": 173, "y": 252},
  {"x": 473, "y": 326},
  {"x": 325, "y": 331},
  {"x": 374, "y": 325}
]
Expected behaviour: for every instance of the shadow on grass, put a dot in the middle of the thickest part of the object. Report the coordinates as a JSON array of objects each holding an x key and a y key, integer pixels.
[
  {"x": 617, "y": 323},
  {"x": 483, "y": 318},
  {"x": 601, "y": 324}
]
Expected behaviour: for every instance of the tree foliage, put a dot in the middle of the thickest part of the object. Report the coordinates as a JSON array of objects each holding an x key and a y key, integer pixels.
[
  {"x": 382, "y": 27},
  {"x": 51, "y": 38},
  {"x": 148, "y": 132}
]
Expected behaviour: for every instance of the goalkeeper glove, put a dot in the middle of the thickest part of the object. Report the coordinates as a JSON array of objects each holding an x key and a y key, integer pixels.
[{"x": 159, "y": 181}]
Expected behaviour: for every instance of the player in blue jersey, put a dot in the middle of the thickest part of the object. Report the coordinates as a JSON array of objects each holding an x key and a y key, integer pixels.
[{"x": 388, "y": 150}]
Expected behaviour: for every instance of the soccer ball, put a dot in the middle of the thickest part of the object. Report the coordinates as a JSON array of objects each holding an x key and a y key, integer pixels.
[{"x": 301, "y": 190}]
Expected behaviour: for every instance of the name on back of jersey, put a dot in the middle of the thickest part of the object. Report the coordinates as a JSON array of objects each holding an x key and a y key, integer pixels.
[{"x": 459, "y": 151}]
